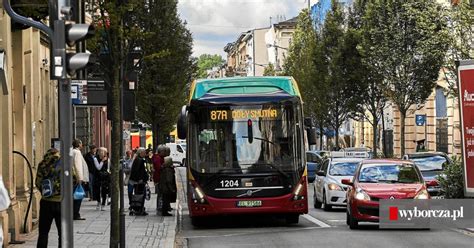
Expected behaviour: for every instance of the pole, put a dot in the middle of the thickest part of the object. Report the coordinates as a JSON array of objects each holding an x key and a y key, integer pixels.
[
  {"x": 426, "y": 132},
  {"x": 121, "y": 183}
]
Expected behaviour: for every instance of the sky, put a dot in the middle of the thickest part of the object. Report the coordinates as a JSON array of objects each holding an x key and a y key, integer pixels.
[{"x": 214, "y": 23}]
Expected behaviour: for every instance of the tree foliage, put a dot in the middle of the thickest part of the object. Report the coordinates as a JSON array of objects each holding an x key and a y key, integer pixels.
[
  {"x": 342, "y": 60},
  {"x": 461, "y": 26},
  {"x": 372, "y": 98},
  {"x": 206, "y": 62},
  {"x": 167, "y": 68},
  {"x": 406, "y": 42}
]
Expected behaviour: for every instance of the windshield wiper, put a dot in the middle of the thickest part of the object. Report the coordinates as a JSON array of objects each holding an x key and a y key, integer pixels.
[
  {"x": 388, "y": 181},
  {"x": 368, "y": 181},
  {"x": 439, "y": 169},
  {"x": 262, "y": 139},
  {"x": 278, "y": 169}
]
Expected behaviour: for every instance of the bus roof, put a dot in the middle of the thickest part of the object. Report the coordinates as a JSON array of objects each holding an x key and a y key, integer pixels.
[{"x": 243, "y": 85}]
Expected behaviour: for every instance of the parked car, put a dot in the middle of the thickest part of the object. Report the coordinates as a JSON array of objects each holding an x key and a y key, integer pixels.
[
  {"x": 178, "y": 153},
  {"x": 328, "y": 188},
  {"x": 431, "y": 165},
  {"x": 313, "y": 164},
  {"x": 381, "y": 179}
]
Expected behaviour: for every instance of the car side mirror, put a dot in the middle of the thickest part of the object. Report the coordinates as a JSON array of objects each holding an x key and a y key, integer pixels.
[
  {"x": 347, "y": 182},
  {"x": 321, "y": 173}
]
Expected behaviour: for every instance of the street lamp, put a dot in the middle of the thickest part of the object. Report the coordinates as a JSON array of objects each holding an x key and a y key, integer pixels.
[{"x": 277, "y": 64}]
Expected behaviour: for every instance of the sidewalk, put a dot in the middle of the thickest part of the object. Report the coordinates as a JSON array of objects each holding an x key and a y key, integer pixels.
[{"x": 141, "y": 231}]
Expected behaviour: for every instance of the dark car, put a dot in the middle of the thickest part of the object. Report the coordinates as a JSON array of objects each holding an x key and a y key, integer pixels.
[
  {"x": 431, "y": 165},
  {"x": 313, "y": 164},
  {"x": 378, "y": 179}
]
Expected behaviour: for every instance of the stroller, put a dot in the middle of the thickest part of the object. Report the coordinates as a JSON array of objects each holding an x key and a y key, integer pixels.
[{"x": 137, "y": 203}]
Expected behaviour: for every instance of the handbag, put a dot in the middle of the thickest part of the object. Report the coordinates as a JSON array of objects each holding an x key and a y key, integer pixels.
[
  {"x": 147, "y": 192},
  {"x": 79, "y": 193}
]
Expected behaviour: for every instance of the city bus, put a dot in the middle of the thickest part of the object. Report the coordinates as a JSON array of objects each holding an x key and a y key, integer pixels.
[{"x": 245, "y": 148}]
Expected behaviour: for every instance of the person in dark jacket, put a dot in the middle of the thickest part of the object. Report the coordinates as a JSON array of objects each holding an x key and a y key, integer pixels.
[
  {"x": 102, "y": 178},
  {"x": 138, "y": 174},
  {"x": 167, "y": 186},
  {"x": 89, "y": 158}
]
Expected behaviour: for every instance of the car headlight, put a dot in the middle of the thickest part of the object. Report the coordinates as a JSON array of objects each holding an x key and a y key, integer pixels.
[
  {"x": 333, "y": 186},
  {"x": 361, "y": 195},
  {"x": 422, "y": 195}
]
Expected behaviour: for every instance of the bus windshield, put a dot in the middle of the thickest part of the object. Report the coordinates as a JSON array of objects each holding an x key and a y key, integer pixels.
[{"x": 246, "y": 139}]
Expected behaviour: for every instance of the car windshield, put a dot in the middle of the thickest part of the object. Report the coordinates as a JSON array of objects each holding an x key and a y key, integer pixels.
[
  {"x": 343, "y": 168},
  {"x": 388, "y": 173},
  {"x": 430, "y": 163}
]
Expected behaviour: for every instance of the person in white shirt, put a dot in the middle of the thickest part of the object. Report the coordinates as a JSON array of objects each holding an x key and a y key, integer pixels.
[{"x": 82, "y": 174}]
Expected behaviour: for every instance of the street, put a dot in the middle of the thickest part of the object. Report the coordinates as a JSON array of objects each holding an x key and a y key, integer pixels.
[{"x": 316, "y": 229}]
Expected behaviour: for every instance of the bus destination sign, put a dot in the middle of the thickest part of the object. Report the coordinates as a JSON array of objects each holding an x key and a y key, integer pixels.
[{"x": 242, "y": 114}]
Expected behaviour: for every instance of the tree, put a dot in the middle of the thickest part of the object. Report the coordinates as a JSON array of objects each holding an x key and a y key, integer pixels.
[
  {"x": 269, "y": 70},
  {"x": 342, "y": 62},
  {"x": 207, "y": 62},
  {"x": 461, "y": 26},
  {"x": 372, "y": 100},
  {"x": 167, "y": 68},
  {"x": 113, "y": 41},
  {"x": 406, "y": 42},
  {"x": 302, "y": 65}
]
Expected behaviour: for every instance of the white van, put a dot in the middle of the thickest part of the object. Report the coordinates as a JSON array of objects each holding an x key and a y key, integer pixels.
[{"x": 178, "y": 153}]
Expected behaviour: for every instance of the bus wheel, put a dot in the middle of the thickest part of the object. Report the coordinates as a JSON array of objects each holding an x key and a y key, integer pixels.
[
  {"x": 197, "y": 221},
  {"x": 292, "y": 219}
]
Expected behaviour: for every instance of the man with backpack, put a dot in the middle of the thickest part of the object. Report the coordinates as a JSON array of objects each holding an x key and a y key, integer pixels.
[{"x": 48, "y": 180}]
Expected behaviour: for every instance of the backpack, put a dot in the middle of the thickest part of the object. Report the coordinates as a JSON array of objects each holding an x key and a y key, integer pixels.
[{"x": 50, "y": 183}]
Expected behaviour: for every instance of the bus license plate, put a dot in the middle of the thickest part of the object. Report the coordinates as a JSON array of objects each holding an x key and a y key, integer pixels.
[{"x": 249, "y": 204}]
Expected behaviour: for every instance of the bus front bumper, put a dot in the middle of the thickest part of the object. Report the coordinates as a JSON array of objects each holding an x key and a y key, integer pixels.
[{"x": 264, "y": 205}]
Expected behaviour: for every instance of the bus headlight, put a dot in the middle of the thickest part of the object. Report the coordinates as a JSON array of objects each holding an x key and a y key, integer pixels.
[
  {"x": 198, "y": 195},
  {"x": 297, "y": 192}
]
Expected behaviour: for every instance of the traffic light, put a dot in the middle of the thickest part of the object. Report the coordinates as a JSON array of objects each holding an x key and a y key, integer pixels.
[
  {"x": 67, "y": 63},
  {"x": 76, "y": 33}
]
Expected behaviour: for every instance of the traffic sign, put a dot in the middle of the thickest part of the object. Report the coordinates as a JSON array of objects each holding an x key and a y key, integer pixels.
[{"x": 420, "y": 120}]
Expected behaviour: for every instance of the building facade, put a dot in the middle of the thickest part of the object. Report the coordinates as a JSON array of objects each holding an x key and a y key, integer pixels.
[{"x": 28, "y": 121}]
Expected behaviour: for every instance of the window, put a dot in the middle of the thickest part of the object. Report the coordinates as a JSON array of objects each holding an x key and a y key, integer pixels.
[{"x": 179, "y": 149}]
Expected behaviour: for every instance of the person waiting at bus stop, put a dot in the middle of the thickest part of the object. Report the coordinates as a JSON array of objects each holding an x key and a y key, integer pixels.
[
  {"x": 167, "y": 186},
  {"x": 158, "y": 160},
  {"x": 138, "y": 173}
]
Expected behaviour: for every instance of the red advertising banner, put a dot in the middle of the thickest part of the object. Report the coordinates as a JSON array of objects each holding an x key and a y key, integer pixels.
[{"x": 466, "y": 99}]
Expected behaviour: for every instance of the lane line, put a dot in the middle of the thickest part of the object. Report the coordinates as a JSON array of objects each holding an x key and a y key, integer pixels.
[{"x": 315, "y": 221}]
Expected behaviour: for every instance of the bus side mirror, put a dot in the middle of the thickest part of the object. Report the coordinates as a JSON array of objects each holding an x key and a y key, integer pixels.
[
  {"x": 181, "y": 125},
  {"x": 312, "y": 139}
]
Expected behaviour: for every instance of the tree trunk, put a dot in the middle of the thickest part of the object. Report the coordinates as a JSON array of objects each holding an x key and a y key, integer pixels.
[
  {"x": 115, "y": 158},
  {"x": 374, "y": 142},
  {"x": 321, "y": 133},
  {"x": 402, "y": 132},
  {"x": 384, "y": 147},
  {"x": 154, "y": 129}
]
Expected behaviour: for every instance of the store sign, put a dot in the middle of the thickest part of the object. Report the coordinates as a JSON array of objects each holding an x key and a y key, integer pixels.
[{"x": 466, "y": 99}]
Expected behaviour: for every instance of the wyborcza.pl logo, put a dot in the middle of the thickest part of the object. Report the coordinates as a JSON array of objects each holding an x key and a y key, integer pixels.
[
  {"x": 432, "y": 213},
  {"x": 410, "y": 214}
]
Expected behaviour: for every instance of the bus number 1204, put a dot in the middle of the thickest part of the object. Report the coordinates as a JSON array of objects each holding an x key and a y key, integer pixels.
[{"x": 229, "y": 183}]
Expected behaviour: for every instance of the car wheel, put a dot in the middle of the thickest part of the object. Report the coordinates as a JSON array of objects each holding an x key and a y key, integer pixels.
[
  {"x": 327, "y": 206},
  {"x": 317, "y": 204},
  {"x": 292, "y": 219},
  {"x": 353, "y": 223},
  {"x": 347, "y": 218},
  {"x": 183, "y": 163}
]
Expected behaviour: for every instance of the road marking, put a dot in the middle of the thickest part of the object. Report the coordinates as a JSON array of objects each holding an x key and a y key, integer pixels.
[
  {"x": 315, "y": 221},
  {"x": 336, "y": 220}
]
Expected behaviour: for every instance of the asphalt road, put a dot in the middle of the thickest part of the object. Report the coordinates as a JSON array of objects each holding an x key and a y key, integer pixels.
[{"x": 317, "y": 229}]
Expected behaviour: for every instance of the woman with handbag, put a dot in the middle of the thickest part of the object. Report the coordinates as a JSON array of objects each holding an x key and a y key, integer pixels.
[{"x": 101, "y": 185}]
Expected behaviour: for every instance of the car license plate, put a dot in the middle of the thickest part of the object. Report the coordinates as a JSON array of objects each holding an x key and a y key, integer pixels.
[{"x": 249, "y": 204}]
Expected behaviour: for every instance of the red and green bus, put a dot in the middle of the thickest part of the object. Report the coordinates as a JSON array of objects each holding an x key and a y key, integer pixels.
[{"x": 246, "y": 148}]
